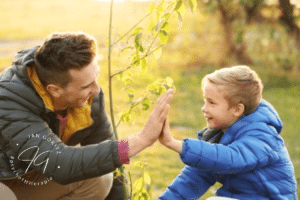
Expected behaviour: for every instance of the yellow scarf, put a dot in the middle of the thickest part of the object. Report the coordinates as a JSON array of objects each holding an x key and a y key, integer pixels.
[{"x": 78, "y": 118}]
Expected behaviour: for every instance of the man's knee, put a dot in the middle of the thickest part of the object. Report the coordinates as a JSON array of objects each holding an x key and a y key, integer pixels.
[
  {"x": 106, "y": 182},
  {"x": 6, "y": 193},
  {"x": 91, "y": 189}
]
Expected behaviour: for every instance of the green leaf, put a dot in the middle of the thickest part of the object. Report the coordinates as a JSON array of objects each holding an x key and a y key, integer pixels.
[
  {"x": 147, "y": 178},
  {"x": 163, "y": 36},
  {"x": 139, "y": 164},
  {"x": 136, "y": 60},
  {"x": 159, "y": 12},
  {"x": 125, "y": 116},
  {"x": 151, "y": 8},
  {"x": 137, "y": 43},
  {"x": 157, "y": 87},
  {"x": 137, "y": 30},
  {"x": 157, "y": 53},
  {"x": 146, "y": 103},
  {"x": 169, "y": 82},
  {"x": 138, "y": 184},
  {"x": 126, "y": 48},
  {"x": 151, "y": 25},
  {"x": 149, "y": 190},
  {"x": 151, "y": 87},
  {"x": 144, "y": 65},
  {"x": 127, "y": 78},
  {"x": 166, "y": 27},
  {"x": 181, "y": 10},
  {"x": 163, "y": 5},
  {"x": 136, "y": 198},
  {"x": 179, "y": 18},
  {"x": 178, "y": 4},
  {"x": 193, "y": 5},
  {"x": 130, "y": 90}
]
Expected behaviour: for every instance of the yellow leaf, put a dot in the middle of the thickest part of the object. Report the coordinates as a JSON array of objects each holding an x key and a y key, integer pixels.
[
  {"x": 147, "y": 178},
  {"x": 157, "y": 53}
]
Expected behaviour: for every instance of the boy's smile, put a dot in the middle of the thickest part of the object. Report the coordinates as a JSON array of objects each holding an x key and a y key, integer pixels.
[{"x": 219, "y": 115}]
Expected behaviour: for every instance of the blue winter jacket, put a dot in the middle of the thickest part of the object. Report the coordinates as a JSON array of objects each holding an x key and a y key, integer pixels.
[{"x": 251, "y": 161}]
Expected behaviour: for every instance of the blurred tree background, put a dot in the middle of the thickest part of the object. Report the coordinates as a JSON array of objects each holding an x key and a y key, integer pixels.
[{"x": 264, "y": 34}]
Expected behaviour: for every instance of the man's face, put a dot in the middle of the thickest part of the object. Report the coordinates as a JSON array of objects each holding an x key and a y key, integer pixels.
[
  {"x": 219, "y": 115},
  {"x": 82, "y": 87}
]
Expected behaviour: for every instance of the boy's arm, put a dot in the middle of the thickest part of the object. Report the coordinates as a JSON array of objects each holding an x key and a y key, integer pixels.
[
  {"x": 254, "y": 150},
  {"x": 245, "y": 154},
  {"x": 189, "y": 184}
]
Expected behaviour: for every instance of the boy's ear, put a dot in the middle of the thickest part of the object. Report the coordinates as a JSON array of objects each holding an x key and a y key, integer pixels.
[{"x": 239, "y": 110}]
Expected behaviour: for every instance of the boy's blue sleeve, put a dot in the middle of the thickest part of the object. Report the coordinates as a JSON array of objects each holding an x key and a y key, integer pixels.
[
  {"x": 189, "y": 184},
  {"x": 251, "y": 151}
]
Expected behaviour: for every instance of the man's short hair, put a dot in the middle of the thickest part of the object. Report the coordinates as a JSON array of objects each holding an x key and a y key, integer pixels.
[
  {"x": 239, "y": 84},
  {"x": 61, "y": 52}
]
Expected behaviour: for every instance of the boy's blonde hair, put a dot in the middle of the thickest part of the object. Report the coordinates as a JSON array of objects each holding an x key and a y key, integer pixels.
[{"x": 239, "y": 84}]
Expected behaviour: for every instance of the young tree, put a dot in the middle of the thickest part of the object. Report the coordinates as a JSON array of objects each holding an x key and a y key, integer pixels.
[{"x": 144, "y": 45}]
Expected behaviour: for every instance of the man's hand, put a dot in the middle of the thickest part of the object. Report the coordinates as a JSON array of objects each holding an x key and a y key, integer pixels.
[{"x": 153, "y": 126}]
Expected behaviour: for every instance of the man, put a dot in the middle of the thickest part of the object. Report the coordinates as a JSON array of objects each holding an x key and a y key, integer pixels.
[{"x": 56, "y": 140}]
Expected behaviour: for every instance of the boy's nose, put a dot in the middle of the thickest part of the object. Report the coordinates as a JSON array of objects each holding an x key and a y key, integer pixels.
[{"x": 203, "y": 109}]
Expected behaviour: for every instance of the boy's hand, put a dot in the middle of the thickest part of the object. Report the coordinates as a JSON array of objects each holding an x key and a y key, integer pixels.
[{"x": 166, "y": 137}]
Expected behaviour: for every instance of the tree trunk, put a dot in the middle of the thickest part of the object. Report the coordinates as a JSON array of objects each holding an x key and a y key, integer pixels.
[
  {"x": 252, "y": 14},
  {"x": 238, "y": 51},
  {"x": 288, "y": 20}
]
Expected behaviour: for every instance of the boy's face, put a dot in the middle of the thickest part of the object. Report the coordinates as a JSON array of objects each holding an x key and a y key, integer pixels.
[{"x": 216, "y": 108}]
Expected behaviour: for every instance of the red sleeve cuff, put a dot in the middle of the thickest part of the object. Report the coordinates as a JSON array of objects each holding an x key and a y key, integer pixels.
[{"x": 123, "y": 148}]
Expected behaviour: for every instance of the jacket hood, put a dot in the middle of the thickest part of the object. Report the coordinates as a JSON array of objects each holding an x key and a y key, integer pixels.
[
  {"x": 265, "y": 113},
  {"x": 15, "y": 83},
  {"x": 23, "y": 59}
]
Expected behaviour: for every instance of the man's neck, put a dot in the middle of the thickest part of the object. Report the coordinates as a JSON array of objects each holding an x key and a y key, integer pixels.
[{"x": 62, "y": 113}]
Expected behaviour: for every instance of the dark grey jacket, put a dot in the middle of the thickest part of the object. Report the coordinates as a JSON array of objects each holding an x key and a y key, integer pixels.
[{"x": 23, "y": 114}]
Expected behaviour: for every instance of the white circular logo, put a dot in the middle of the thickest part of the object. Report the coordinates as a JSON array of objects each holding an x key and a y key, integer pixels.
[{"x": 34, "y": 160}]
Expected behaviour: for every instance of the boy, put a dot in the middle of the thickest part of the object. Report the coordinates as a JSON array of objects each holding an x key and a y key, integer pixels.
[{"x": 241, "y": 146}]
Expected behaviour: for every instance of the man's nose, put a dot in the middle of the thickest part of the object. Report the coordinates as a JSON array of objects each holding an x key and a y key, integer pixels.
[{"x": 96, "y": 88}]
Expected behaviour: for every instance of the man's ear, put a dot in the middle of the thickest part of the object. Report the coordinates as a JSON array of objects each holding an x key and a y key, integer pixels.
[
  {"x": 54, "y": 90},
  {"x": 239, "y": 110}
]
